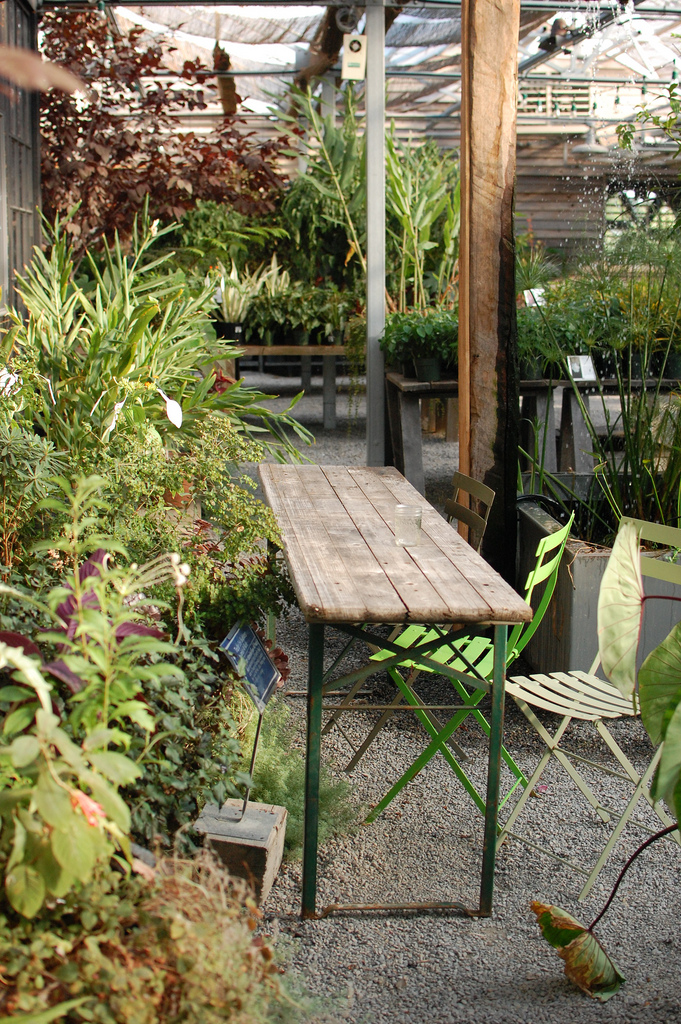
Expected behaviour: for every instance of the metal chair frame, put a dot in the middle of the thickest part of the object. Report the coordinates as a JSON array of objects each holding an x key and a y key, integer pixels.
[
  {"x": 584, "y": 696},
  {"x": 468, "y": 661}
]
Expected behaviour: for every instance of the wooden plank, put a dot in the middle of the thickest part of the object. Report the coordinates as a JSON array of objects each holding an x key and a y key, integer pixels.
[
  {"x": 327, "y": 589},
  {"x": 499, "y": 597},
  {"x": 488, "y": 400},
  {"x": 296, "y": 555},
  {"x": 337, "y": 529},
  {"x": 357, "y": 563},
  {"x": 469, "y": 588},
  {"x": 396, "y": 564},
  {"x": 412, "y": 441},
  {"x": 292, "y": 350},
  {"x": 430, "y": 389}
]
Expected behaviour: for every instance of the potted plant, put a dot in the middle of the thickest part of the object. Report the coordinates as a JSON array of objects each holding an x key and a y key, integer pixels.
[
  {"x": 234, "y": 294},
  {"x": 538, "y": 354},
  {"x": 421, "y": 342}
]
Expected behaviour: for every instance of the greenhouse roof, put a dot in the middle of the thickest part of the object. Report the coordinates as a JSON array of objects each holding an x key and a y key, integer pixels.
[{"x": 581, "y": 63}]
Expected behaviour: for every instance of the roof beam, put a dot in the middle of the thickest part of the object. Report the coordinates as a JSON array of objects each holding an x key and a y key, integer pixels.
[{"x": 606, "y": 18}]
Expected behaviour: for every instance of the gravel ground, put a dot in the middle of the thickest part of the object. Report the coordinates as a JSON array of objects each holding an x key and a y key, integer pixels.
[{"x": 442, "y": 967}]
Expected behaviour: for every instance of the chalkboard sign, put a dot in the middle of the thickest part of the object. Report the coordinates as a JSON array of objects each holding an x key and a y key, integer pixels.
[{"x": 250, "y": 658}]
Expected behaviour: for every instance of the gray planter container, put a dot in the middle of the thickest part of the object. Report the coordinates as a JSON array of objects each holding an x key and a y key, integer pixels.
[{"x": 567, "y": 638}]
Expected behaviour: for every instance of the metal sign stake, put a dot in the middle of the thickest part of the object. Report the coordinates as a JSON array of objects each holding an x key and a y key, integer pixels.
[{"x": 253, "y": 755}]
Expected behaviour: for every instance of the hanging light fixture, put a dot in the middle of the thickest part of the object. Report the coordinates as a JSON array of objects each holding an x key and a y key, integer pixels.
[{"x": 591, "y": 146}]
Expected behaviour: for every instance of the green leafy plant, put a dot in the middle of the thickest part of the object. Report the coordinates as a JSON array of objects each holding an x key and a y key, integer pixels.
[
  {"x": 421, "y": 189},
  {"x": 626, "y": 306},
  {"x": 127, "y": 950},
  {"x": 421, "y": 334},
  {"x": 620, "y": 607},
  {"x": 586, "y": 962},
  {"x": 59, "y": 804},
  {"x": 193, "y": 756},
  {"x": 216, "y": 232},
  {"x": 279, "y": 778},
  {"x": 668, "y": 123},
  {"x": 330, "y": 193},
  {"x": 236, "y": 291},
  {"x": 122, "y": 350},
  {"x": 28, "y": 464}
]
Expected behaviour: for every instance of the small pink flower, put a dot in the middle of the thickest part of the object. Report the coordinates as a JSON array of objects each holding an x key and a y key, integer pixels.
[{"x": 94, "y": 812}]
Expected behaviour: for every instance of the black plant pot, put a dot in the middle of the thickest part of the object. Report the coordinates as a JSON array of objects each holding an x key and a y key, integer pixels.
[
  {"x": 532, "y": 369},
  {"x": 672, "y": 368},
  {"x": 427, "y": 369},
  {"x": 227, "y": 331},
  {"x": 605, "y": 363}
]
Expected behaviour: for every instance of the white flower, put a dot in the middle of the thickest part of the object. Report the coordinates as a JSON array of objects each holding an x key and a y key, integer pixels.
[
  {"x": 173, "y": 409},
  {"x": 114, "y": 419}
]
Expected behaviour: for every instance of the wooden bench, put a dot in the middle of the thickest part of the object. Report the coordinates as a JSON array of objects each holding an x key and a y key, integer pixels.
[{"x": 329, "y": 352}]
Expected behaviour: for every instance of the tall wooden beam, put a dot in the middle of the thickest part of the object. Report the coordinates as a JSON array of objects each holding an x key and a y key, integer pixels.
[{"x": 488, "y": 372}]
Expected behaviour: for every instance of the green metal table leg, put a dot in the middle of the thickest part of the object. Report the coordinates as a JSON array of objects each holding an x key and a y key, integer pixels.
[
  {"x": 314, "y": 734},
  {"x": 493, "y": 771}
]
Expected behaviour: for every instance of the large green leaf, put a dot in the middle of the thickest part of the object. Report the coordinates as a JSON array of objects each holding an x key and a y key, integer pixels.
[
  {"x": 25, "y": 889},
  {"x": 669, "y": 769},
  {"x": 659, "y": 682},
  {"x": 586, "y": 962},
  {"x": 74, "y": 849},
  {"x": 117, "y": 767},
  {"x": 619, "y": 611},
  {"x": 46, "y": 1016}
]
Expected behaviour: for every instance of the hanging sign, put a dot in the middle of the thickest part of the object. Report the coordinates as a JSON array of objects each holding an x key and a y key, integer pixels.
[
  {"x": 354, "y": 57},
  {"x": 251, "y": 660}
]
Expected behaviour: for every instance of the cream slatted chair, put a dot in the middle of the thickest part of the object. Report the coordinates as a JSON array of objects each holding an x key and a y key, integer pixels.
[{"x": 583, "y": 696}]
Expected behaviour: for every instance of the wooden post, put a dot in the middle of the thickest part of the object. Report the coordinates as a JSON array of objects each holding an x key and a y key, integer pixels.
[{"x": 488, "y": 373}]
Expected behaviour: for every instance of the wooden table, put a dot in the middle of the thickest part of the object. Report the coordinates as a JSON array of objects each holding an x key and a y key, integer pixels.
[
  {"x": 403, "y": 403},
  {"x": 329, "y": 354},
  {"x": 337, "y": 533}
]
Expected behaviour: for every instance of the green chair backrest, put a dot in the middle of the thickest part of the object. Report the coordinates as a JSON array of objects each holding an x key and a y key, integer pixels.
[
  {"x": 455, "y": 509},
  {"x": 549, "y": 554}
]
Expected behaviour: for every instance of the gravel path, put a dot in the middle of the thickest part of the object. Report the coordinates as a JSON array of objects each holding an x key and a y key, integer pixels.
[{"x": 444, "y": 968}]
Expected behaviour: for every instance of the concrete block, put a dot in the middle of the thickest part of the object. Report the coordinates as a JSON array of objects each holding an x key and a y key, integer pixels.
[{"x": 250, "y": 847}]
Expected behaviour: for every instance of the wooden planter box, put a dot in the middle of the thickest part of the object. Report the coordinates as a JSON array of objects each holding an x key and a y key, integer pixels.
[{"x": 567, "y": 637}]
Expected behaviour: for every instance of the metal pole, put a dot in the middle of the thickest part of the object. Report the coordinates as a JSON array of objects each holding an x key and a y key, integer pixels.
[
  {"x": 252, "y": 768},
  {"x": 328, "y": 104},
  {"x": 312, "y": 761},
  {"x": 375, "y": 164},
  {"x": 496, "y": 740}
]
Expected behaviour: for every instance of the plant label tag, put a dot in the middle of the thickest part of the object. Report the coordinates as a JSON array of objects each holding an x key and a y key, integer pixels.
[
  {"x": 251, "y": 660},
  {"x": 581, "y": 368},
  {"x": 354, "y": 57}
]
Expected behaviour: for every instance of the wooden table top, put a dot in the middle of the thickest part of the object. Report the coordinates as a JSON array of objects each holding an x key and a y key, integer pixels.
[{"x": 337, "y": 530}]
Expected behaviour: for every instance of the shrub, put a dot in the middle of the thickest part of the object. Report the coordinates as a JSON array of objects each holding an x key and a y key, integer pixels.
[
  {"x": 121, "y": 351},
  {"x": 279, "y": 778},
  {"x": 128, "y": 951}
]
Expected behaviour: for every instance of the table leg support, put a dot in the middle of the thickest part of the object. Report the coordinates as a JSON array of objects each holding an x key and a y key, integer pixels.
[
  {"x": 493, "y": 772},
  {"x": 312, "y": 763}
]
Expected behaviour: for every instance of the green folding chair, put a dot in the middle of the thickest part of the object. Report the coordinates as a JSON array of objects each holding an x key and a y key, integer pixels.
[
  {"x": 468, "y": 662},
  {"x": 584, "y": 697}
]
